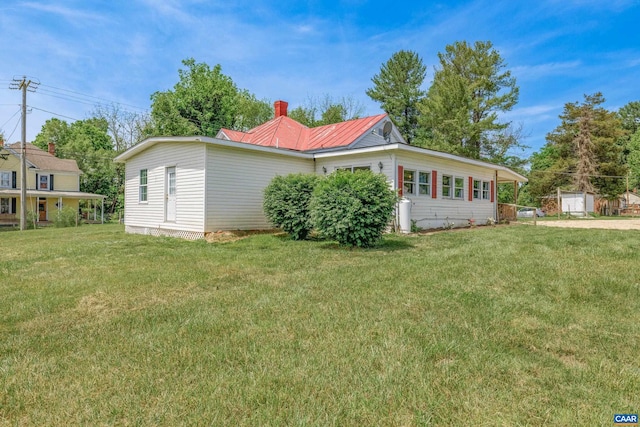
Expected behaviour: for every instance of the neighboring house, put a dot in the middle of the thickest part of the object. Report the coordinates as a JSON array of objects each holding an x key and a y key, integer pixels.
[
  {"x": 190, "y": 186},
  {"x": 52, "y": 183},
  {"x": 630, "y": 203}
]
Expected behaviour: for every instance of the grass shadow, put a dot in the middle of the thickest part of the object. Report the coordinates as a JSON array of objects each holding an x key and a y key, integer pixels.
[{"x": 388, "y": 243}]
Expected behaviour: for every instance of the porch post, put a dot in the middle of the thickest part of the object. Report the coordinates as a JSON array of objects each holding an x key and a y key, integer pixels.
[
  {"x": 102, "y": 213},
  {"x": 495, "y": 189}
]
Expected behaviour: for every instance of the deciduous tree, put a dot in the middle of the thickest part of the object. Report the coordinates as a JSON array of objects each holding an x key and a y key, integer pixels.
[
  {"x": 326, "y": 111},
  {"x": 203, "y": 101}
]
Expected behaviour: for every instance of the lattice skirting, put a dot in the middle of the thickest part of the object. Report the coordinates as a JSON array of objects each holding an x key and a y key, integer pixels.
[{"x": 182, "y": 234}]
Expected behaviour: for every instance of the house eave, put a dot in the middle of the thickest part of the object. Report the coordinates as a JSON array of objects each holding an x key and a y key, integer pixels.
[
  {"x": 504, "y": 174},
  {"x": 51, "y": 194},
  {"x": 150, "y": 142}
]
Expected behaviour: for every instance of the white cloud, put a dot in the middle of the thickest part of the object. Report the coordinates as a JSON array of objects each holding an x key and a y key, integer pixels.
[
  {"x": 71, "y": 15},
  {"x": 542, "y": 70}
]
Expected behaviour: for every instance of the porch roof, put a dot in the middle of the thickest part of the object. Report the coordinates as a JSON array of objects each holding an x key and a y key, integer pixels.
[{"x": 12, "y": 192}]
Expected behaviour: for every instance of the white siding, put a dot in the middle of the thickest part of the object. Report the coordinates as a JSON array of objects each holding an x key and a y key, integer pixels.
[
  {"x": 370, "y": 140},
  {"x": 189, "y": 160},
  {"x": 358, "y": 160},
  {"x": 236, "y": 179},
  {"x": 429, "y": 212}
]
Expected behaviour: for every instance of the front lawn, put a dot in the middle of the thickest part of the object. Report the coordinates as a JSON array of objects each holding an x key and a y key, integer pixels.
[{"x": 489, "y": 326}]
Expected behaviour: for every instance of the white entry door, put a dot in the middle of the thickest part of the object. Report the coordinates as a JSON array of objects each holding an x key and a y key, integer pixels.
[{"x": 170, "y": 197}]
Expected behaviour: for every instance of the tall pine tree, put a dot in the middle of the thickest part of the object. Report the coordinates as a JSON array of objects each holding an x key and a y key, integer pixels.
[
  {"x": 460, "y": 112},
  {"x": 398, "y": 90},
  {"x": 583, "y": 153}
]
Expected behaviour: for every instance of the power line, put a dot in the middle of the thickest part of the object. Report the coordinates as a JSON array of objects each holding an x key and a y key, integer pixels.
[
  {"x": 51, "y": 112},
  {"x": 14, "y": 114},
  {"x": 14, "y": 129},
  {"x": 103, "y": 100},
  {"x": 574, "y": 174}
]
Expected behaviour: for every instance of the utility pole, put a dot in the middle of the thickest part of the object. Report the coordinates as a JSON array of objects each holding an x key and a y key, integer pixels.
[{"x": 31, "y": 86}]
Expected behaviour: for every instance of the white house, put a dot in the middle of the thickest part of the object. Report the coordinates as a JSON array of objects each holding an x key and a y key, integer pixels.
[{"x": 190, "y": 186}]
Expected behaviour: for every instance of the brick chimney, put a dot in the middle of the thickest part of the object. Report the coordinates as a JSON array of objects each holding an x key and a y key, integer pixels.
[
  {"x": 52, "y": 148},
  {"x": 280, "y": 108}
]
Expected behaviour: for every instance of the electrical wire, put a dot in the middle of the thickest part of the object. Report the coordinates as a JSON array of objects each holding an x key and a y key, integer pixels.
[
  {"x": 79, "y": 98},
  {"x": 51, "y": 112},
  {"x": 575, "y": 174},
  {"x": 14, "y": 129},
  {"x": 14, "y": 114}
]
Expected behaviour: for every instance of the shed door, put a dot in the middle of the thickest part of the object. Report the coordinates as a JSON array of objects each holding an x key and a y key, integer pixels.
[{"x": 170, "y": 197}]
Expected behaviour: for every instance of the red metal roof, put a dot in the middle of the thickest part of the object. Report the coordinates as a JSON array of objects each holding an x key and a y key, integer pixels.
[{"x": 284, "y": 132}]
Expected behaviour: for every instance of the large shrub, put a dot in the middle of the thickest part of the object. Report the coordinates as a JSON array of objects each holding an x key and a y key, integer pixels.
[
  {"x": 286, "y": 203},
  {"x": 67, "y": 217},
  {"x": 353, "y": 208}
]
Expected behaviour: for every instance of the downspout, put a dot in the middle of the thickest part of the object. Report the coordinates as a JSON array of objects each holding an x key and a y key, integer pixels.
[{"x": 394, "y": 162}]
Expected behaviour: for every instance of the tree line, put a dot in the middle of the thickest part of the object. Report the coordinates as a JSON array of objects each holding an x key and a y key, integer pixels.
[{"x": 459, "y": 113}]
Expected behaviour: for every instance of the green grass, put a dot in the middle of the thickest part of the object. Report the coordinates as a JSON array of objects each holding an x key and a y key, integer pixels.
[{"x": 490, "y": 326}]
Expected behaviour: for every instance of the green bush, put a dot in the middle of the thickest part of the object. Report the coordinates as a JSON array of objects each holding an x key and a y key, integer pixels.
[
  {"x": 67, "y": 217},
  {"x": 286, "y": 203},
  {"x": 353, "y": 208}
]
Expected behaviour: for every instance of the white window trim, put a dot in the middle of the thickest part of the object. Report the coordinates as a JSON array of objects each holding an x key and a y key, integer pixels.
[
  {"x": 486, "y": 192},
  {"x": 145, "y": 186},
  {"x": 482, "y": 193},
  {"x": 450, "y": 186},
  {"x": 7, "y": 202},
  {"x": 477, "y": 192},
  {"x": 413, "y": 182},
  {"x": 425, "y": 184},
  {"x": 456, "y": 188},
  {"x": 352, "y": 168},
  {"x": 40, "y": 182},
  {"x": 8, "y": 173}
]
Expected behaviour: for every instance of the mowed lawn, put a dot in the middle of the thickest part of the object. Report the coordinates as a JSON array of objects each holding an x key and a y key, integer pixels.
[{"x": 492, "y": 326}]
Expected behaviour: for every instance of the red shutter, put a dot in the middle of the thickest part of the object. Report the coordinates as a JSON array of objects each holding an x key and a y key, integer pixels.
[
  {"x": 493, "y": 192},
  {"x": 471, "y": 189},
  {"x": 400, "y": 179},
  {"x": 434, "y": 184}
]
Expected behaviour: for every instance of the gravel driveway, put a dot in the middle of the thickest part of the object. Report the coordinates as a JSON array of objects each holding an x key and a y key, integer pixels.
[{"x": 611, "y": 224}]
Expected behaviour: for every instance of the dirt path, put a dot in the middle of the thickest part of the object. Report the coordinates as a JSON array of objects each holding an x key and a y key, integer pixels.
[{"x": 611, "y": 224}]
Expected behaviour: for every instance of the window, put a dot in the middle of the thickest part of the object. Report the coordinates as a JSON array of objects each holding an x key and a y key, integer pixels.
[
  {"x": 143, "y": 185},
  {"x": 481, "y": 189},
  {"x": 446, "y": 185},
  {"x": 409, "y": 182},
  {"x": 361, "y": 168},
  {"x": 5, "y": 179},
  {"x": 424, "y": 183},
  {"x": 477, "y": 188},
  {"x": 353, "y": 168},
  {"x": 43, "y": 182},
  {"x": 459, "y": 188},
  {"x": 486, "y": 190},
  {"x": 5, "y": 206}
]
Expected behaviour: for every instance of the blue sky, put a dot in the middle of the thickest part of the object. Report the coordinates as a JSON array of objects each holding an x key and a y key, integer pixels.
[{"x": 84, "y": 51}]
